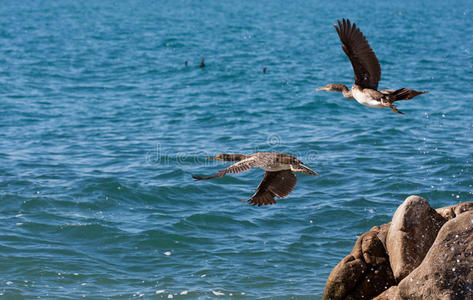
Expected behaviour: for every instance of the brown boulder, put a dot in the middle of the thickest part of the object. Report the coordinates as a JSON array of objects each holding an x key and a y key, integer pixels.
[
  {"x": 413, "y": 230},
  {"x": 364, "y": 273},
  {"x": 442, "y": 259},
  {"x": 390, "y": 294},
  {"x": 450, "y": 212},
  {"x": 447, "y": 270},
  {"x": 383, "y": 232}
]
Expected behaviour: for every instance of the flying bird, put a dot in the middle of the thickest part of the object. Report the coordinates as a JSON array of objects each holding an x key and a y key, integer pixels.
[
  {"x": 367, "y": 72},
  {"x": 279, "y": 179}
]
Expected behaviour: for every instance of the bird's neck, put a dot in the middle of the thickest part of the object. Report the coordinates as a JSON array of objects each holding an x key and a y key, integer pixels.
[
  {"x": 345, "y": 91},
  {"x": 341, "y": 88}
]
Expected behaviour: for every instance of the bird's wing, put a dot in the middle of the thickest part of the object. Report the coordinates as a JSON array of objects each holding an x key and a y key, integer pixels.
[
  {"x": 356, "y": 47},
  {"x": 386, "y": 91},
  {"x": 241, "y": 166},
  {"x": 279, "y": 184},
  {"x": 374, "y": 94}
]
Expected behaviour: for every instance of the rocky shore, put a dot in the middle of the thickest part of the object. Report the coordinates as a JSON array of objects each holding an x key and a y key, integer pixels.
[{"x": 422, "y": 253}]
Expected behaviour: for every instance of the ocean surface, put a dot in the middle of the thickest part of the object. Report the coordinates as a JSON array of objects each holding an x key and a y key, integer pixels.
[{"x": 102, "y": 126}]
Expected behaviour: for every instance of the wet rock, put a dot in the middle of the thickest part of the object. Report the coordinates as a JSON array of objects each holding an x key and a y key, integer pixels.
[
  {"x": 364, "y": 273},
  {"x": 413, "y": 230},
  {"x": 447, "y": 270},
  {"x": 450, "y": 212},
  {"x": 390, "y": 294},
  {"x": 383, "y": 232},
  {"x": 435, "y": 248}
]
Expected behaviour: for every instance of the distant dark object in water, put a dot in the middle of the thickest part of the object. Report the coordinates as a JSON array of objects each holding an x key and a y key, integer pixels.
[
  {"x": 367, "y": 72},
  {"x": 202, "y": 63},
  {"x": 279, "y": 179},
  {"x": 186, "y": 63},
  {"x": 264, "y": 70}
]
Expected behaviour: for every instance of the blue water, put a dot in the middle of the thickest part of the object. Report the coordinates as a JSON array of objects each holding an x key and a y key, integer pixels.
[{"x": 102, "y": 126}]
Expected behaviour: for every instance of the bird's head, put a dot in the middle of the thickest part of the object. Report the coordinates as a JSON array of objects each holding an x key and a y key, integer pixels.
[{"x": 332, "y": 87}]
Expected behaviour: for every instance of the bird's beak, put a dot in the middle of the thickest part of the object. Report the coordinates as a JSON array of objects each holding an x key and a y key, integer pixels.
[
  {"x": 214, "y": 158},
  {"x": 322, "y": 89}
]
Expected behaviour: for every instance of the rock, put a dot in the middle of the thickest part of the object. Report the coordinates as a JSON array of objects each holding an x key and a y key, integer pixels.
[
  {"x": 383, "y": 232},
  {"x": 447, "y": 270},
  {"x": 450, "y": 212},
  {"x": 430, "y": 252},
  {"x": 390, "y": 294},
  {"x": 364, "y": 273},
  {"x": 413, "y": 230}
]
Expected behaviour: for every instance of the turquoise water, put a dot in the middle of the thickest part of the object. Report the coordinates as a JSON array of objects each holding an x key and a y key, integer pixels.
[{"x": 102, "y": 126}]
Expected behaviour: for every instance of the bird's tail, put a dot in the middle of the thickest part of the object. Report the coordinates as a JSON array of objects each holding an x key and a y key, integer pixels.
[{"x": 404, "y": 94}]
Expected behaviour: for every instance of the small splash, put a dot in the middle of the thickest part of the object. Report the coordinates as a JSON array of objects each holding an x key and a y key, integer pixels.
[{"x": 218, "y": 293}]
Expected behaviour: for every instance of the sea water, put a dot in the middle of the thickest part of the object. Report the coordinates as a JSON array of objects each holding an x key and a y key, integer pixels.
[{"x": 102, "y": 125}]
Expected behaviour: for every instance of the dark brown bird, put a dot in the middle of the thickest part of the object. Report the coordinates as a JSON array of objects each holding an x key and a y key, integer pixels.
[
  {"x": 279, "y": 179},
  {"x": 367, "y": 72},
  {"x": 202, "y": 63}
]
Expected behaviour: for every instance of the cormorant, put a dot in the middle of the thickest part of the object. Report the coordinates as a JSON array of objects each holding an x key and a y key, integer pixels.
[
  {"x": 367, "y": 72},
  {"x": 279, "y": 179}
]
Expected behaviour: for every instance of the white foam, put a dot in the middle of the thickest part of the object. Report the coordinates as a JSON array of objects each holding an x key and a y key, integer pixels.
[{"x": 218, "y": 293}]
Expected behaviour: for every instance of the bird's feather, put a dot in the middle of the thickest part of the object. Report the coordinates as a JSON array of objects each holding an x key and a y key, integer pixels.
[
  {"x": 274, "y": 184},
  {"x": 241, "y": 166},
  {"x": 365, "y": 64}
]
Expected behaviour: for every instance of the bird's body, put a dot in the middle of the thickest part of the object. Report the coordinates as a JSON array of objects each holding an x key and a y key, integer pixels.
[
  {"x": 367, "y": 72},
  {"x": 279, "y": 179},
  {"x": 270, "y": 161},
  {"x": 367, "y": 97}
]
